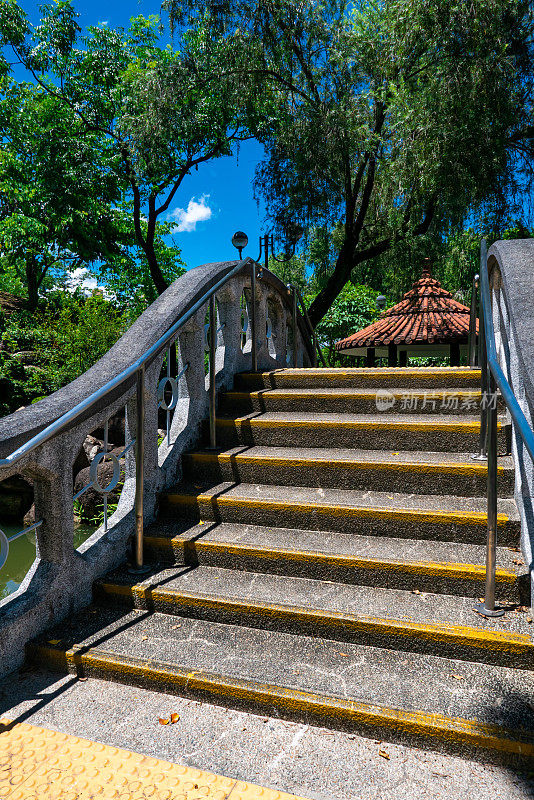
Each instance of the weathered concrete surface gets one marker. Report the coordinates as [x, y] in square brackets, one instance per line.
[341, 468]
[316, 763]
[402, 377]
[390, 562]
[328, 596]
[438, 517]
[353, 401]
[457, 433]
[455, 688]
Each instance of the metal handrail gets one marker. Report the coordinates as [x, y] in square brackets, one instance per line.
[311, 329]
[493, 377]
[137, 371]
[472, 346]
[65, 420]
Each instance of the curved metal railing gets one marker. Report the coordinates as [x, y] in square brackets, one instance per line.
[493, 378]
[136, 372]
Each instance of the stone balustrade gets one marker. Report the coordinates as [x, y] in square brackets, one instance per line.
[61, 578]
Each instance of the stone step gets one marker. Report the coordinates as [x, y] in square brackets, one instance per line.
[395, 432]
[353, 401]
[437, 517]
[438, 703]
[418, 472]
[441, 625]
[439, 567]
[379, 378]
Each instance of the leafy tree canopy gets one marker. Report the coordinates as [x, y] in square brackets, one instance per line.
[57, 190]
[391, 117]
[160, 112]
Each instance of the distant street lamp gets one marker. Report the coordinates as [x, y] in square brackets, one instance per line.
[240, 241]
[294, 233]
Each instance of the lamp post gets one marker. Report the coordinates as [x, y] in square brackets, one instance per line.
[240, 241]
[294, 233]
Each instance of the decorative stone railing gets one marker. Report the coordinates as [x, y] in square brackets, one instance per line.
[41, 442]
[511, 274]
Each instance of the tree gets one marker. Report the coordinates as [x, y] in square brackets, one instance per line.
[57, 191]
[161, 112]
[391, 116]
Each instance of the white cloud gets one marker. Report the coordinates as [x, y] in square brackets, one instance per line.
[197, 211]
[82, 278]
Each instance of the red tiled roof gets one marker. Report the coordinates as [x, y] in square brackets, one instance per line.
[427, 314]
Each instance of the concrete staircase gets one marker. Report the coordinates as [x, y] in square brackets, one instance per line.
[323, 566]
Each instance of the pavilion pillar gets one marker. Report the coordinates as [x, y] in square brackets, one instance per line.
[403, 358]
[455, 354]
[392, 355]
[371, 360]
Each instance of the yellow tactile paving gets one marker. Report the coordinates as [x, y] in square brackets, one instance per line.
[40, 764]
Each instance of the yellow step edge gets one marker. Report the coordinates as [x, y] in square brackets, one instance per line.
[346, 714]
[39, 763]
[444, 468]
[433, 425]
[475, 572]
[351, 512]
[496, 641]
[415, 372]
[351, 394]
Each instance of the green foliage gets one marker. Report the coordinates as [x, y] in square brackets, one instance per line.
[156, 113]
[44, 350]
[386, 119]
[354, 308]
[57, 191]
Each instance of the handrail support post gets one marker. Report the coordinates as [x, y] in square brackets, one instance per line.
[295, 323]
[253, 331]
[487, 608]
[139, 566]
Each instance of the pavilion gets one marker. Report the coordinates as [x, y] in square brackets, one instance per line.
[428, 321]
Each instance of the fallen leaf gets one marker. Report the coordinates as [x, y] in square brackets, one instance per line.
[529, 620]
[345, 655]
[144, 638]
[174, 718]
[175, 626]
[82, 679]
[163, 721]
[54, 641]
[518, 561]
[416, 591]
[384, 754]
[458, 677]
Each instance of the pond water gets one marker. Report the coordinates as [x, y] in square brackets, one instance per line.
[22, 555]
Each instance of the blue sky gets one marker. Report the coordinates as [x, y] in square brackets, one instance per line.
[218, 199]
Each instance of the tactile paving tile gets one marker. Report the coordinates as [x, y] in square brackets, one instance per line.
[40, 764]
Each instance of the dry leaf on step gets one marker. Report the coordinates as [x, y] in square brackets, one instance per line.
[174, 718]
[384, 754]
[163, 721]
